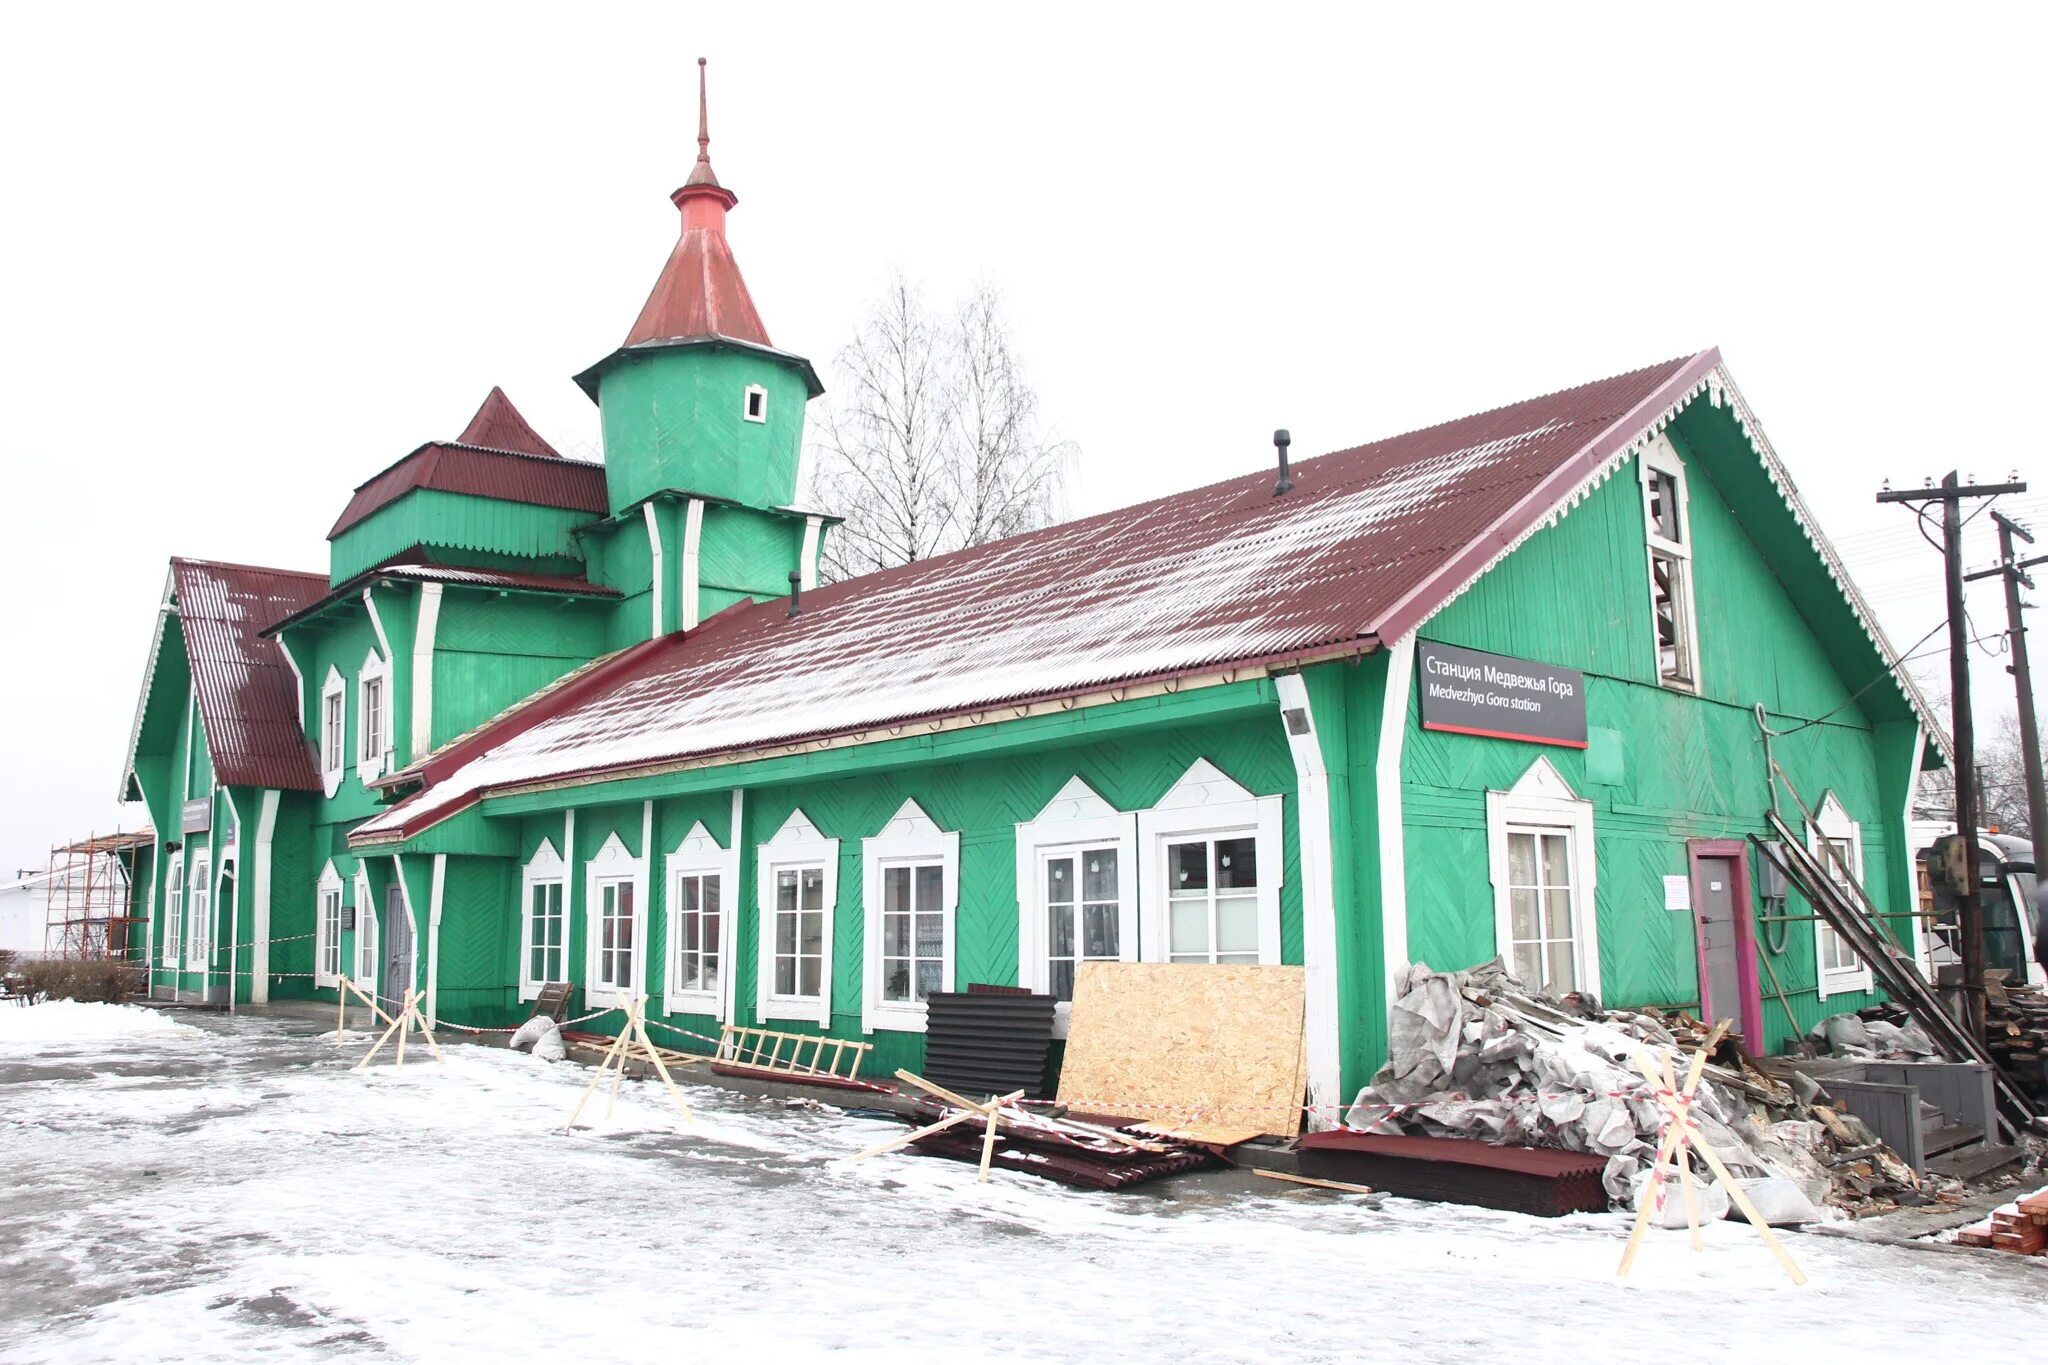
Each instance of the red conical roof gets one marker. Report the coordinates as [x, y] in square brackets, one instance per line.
[700, 292]
[498, 426]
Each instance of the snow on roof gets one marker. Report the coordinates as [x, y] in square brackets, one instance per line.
[1368, 543]
[248, 696]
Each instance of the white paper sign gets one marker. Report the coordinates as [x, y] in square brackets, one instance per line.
[1677, 893]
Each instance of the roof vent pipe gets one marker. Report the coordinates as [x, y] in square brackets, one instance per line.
[796, 591]
[1281, 440]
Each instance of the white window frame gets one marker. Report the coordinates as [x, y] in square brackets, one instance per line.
[1207, 804]
[369, 935]
[545, 868]
[199, 913]
[333, 730]
[1831, 821]
[1661, 457]
[910, 839]
[747, 403]
[613, 865]
[373, 743]
[173, 946]
[1075, 820]
[326, 932]
[1541, 801]
[797, 845]
[699, 855]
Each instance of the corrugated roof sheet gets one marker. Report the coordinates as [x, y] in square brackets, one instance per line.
[1369, 541]
[247, 693]
[494, 578]
[499, 426]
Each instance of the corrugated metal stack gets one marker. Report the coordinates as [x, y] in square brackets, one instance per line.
[988, 1041]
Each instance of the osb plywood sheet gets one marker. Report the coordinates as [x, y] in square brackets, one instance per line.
[1211, 1053]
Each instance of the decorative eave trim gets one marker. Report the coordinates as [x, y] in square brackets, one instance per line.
[156, 646]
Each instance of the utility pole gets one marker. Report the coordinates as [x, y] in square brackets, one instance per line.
[2013, 570]
[1962, 730]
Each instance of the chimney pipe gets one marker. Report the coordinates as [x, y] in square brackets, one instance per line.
[1281, 440]
[796, 590]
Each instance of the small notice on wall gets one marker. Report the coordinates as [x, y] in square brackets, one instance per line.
[1677, 893]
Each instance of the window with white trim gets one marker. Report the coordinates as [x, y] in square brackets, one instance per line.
[1210, 883]
[366, 934]
[754, 405]
[1077, 892]
[1669, 533]
[199, 914]
[798, 882]
[333, 730]
[1539, 839]
[327, 930]
[700, 922]
[910, 879]
[544, 924]
[1837, 843]
[373, 716]
[615, 901]
[174, 910]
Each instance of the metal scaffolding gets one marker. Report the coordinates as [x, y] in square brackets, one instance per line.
[89, 897]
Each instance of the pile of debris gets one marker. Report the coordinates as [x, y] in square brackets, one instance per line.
[1874, 1033]
[2021, 1227]
[1474, 1054]
[2016, 1025]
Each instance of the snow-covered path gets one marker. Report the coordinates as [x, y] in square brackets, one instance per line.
[228, 1189]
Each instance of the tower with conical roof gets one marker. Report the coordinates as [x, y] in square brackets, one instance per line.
[698, 399]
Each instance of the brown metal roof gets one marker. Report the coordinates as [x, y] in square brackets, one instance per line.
[499, 426]
[248, 695]
[1368, 544]
[418, 565]
[513, 476]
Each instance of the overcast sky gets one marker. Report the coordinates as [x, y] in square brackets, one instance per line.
[253, 255]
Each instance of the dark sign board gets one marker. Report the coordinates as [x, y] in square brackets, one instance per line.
[197, 816]
[1471, 692]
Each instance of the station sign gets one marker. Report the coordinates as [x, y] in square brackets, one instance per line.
[1470, 692]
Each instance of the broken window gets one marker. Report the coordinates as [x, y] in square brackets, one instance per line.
[1669, 535]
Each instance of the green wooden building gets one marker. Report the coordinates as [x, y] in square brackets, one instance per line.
[1508, 685]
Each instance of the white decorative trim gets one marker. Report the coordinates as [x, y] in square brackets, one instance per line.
[377, 742]
[397, 989]
[655, 565]
[259, 917]
[1831, 820]
[1393, 828]
[298, 681]
[1541, 799]
[544, 868]
[171, 944]
[797, 845]
[377, 624]
[329, 884]
[807, 559]
[732, 973]
[233, 859]
[1075, 818]
[333, 748]
[199, 916]
[368, 938]
[1318, 893]
[692, 571]
[164, 609]
[435, 900]
[426, 628]
[614, 863]
[910, 837]
[1206, 802]
[699, 855]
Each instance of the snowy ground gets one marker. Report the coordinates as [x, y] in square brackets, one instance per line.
[223, 1187]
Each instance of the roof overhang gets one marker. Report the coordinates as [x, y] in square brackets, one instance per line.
[130, 787]
[588, 380]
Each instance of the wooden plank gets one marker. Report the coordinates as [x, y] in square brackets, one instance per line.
[1312, 1180]
[1215, 1050]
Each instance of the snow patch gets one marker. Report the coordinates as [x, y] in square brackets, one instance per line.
[71, 1021]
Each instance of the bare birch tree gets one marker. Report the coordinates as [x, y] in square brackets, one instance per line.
[934, 442]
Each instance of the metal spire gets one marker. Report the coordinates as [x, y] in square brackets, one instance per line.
[703, 119]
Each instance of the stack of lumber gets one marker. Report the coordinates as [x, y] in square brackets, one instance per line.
[2016, 1028]
[2020, 1228]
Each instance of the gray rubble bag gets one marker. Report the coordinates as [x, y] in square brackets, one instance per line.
[1780, 1201]
[1709, 1196]
[543, 1036]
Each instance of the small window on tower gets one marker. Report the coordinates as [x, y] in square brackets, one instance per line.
[757, 403]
